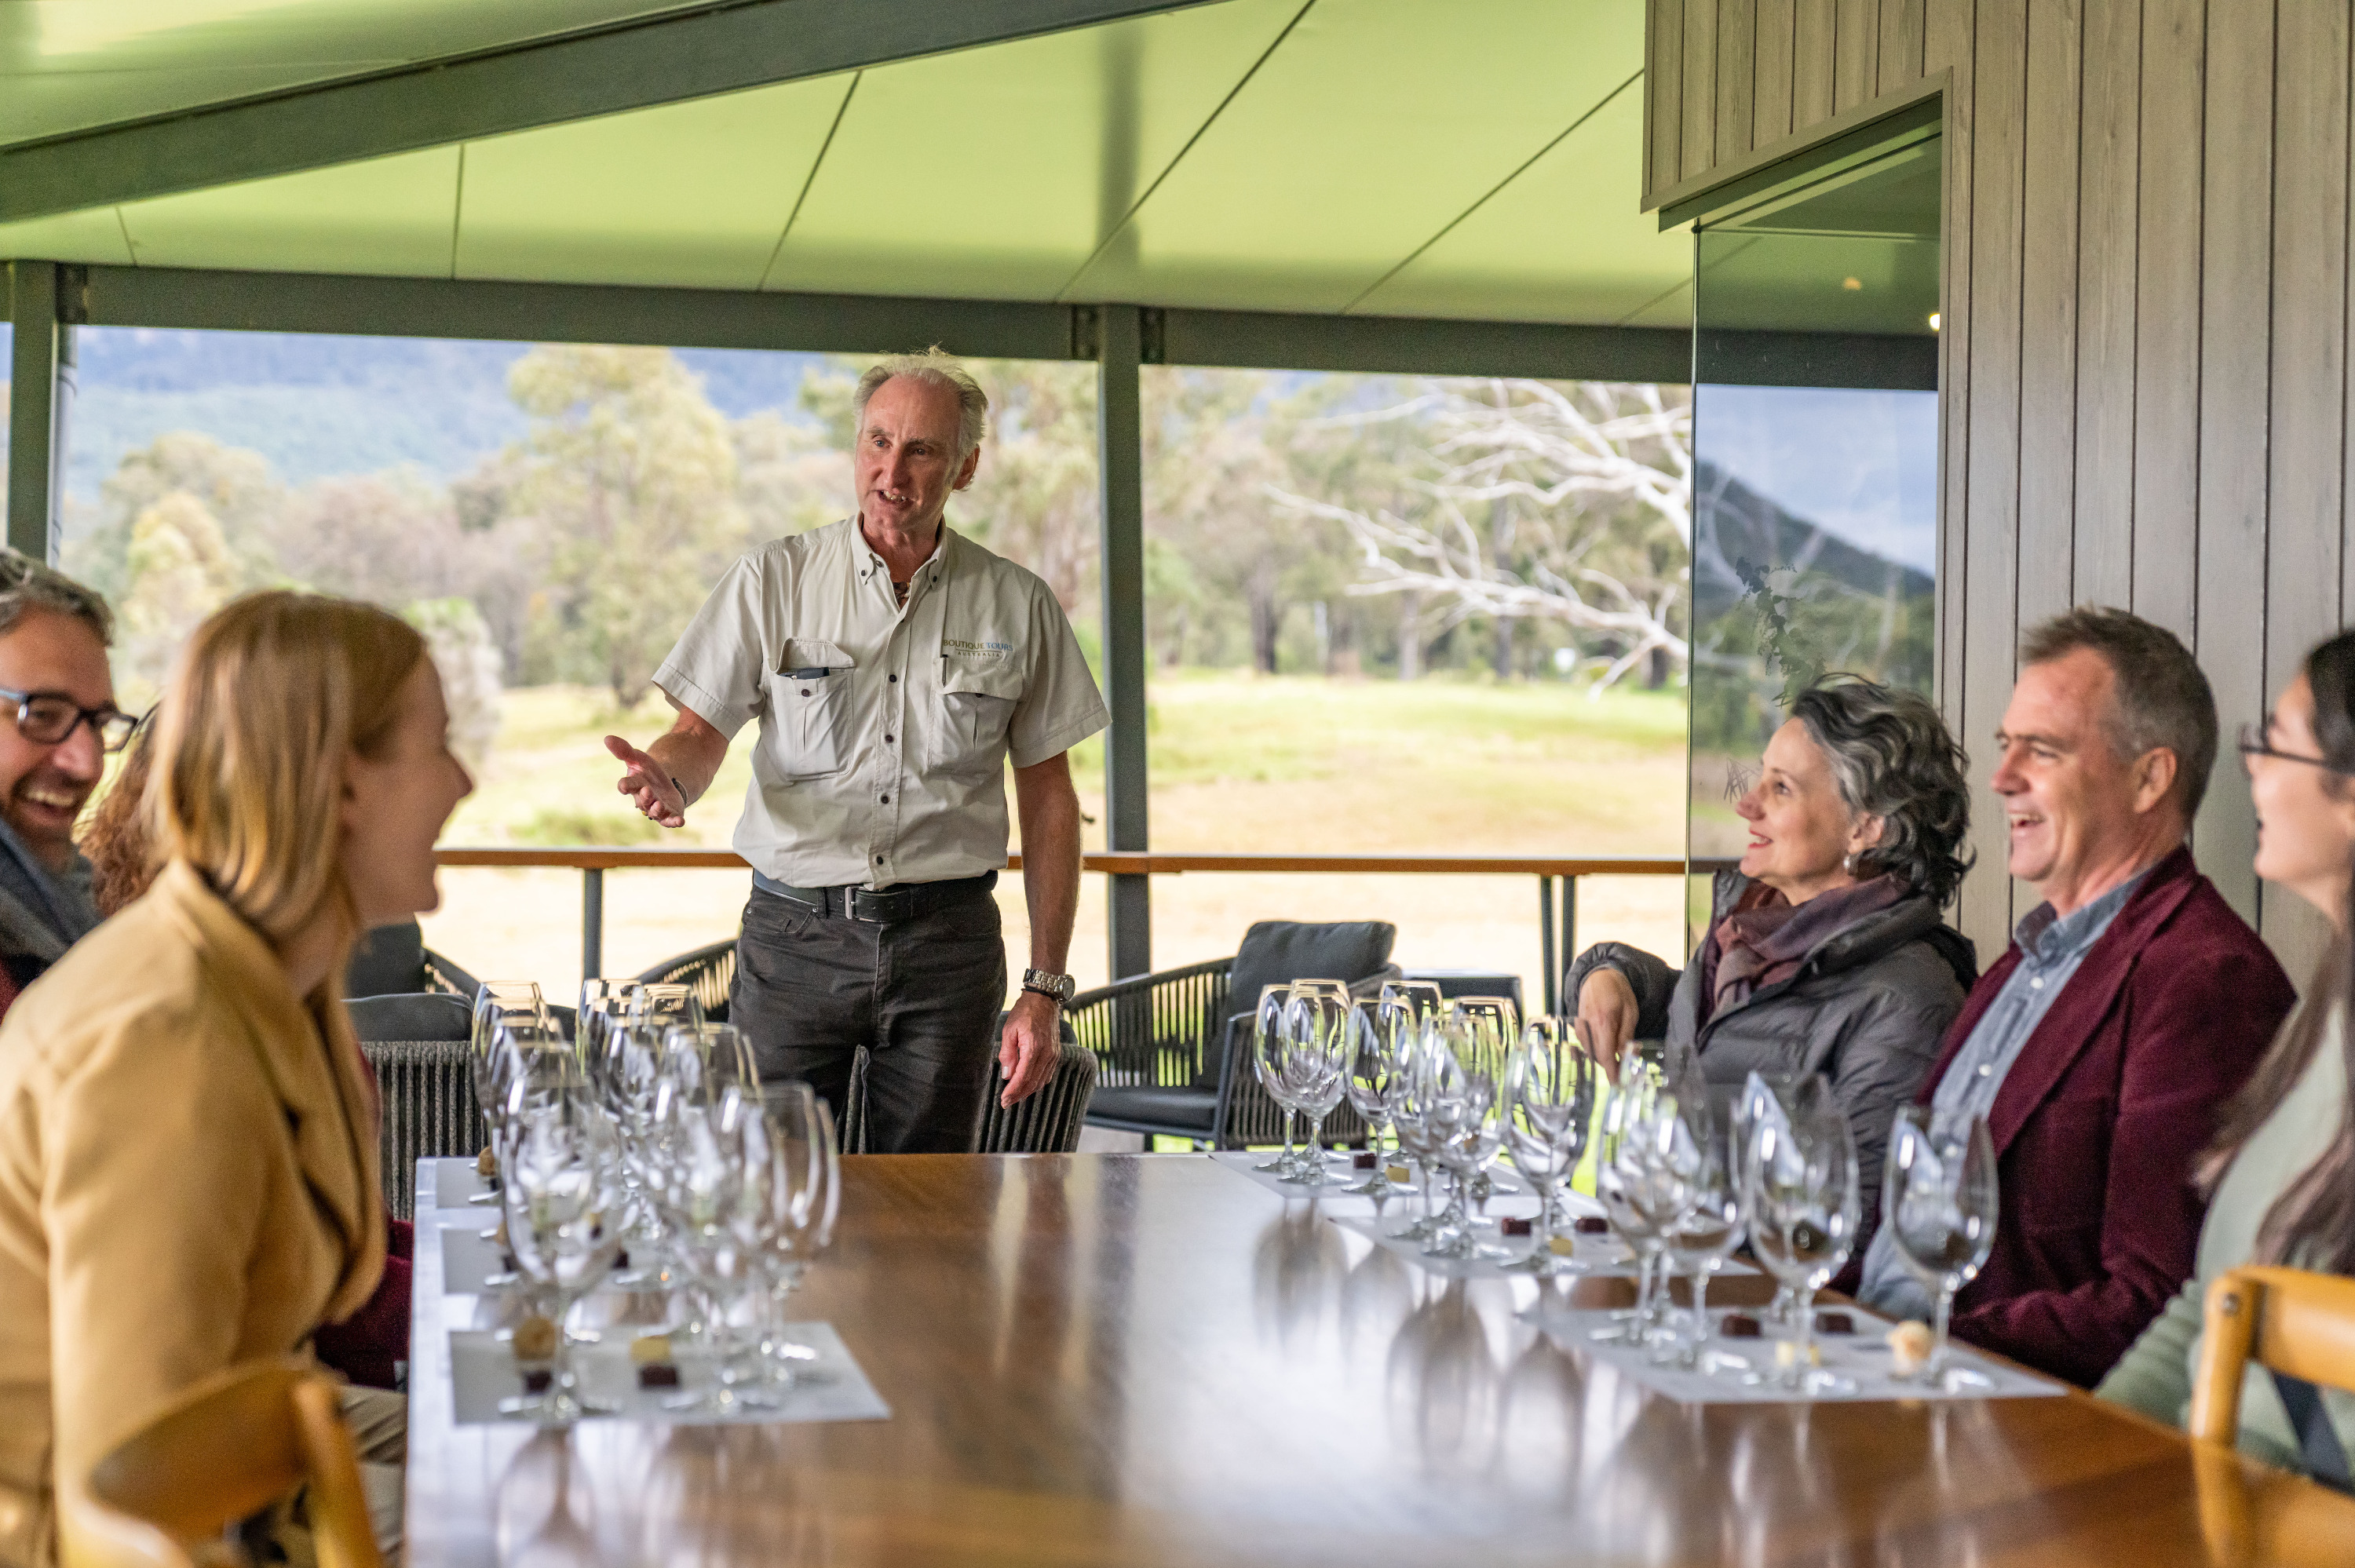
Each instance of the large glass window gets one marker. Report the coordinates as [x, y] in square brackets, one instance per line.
[1815, 461]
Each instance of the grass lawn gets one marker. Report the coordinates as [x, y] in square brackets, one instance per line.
[1240, 763]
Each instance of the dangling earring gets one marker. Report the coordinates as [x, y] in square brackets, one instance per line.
[1848, 862]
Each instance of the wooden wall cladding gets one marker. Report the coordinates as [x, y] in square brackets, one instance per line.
[2146, 311]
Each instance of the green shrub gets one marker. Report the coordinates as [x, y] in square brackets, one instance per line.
[564, 826]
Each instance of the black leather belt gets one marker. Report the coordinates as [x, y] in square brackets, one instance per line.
[878, 906]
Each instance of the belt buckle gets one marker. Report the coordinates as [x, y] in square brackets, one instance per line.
[882, 906]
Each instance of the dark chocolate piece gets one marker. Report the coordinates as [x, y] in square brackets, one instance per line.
[622, 1258]
[1739, 1326]
[538, 1380]
[1364, 1160]
[1593, 1225]
[1835, 1323]
[658, 1374]
[508, 1261]
[1513, 1226]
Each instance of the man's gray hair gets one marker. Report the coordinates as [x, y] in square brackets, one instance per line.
[27, 585]
[2159, 697]
[934, 368]
[1892, 757]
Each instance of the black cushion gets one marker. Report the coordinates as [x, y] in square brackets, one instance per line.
[1277, 952]
[414, 1015]
[388, 959]
[1184, 1112]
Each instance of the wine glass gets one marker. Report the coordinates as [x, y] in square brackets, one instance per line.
[1767, 1100]
[804, 1192]
[1377, 1031]
[1462, 1113]
[1701, 1242]
[1549, 1105]
[1802, 1220]
[1619, 1177]
[1268, 1024]
[1411, 1122]
[496, 1003]
[563, 1202]
[1938, 1200]
[1316, 1069]
[603, 1003]
[714, 1194]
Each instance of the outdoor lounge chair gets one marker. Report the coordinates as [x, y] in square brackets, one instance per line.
[1170, 1041]
[417, 1043]
[394, 960]
[710, 971]
[1047, 1123]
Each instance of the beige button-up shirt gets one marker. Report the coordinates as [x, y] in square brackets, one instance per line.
[884, 730]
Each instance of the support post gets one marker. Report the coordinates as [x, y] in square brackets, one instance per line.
[1120, 435]
[1552, 971]
[593, 922]
[1569, 935]
[40, 388]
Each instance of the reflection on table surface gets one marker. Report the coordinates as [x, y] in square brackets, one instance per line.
[1123, 1359]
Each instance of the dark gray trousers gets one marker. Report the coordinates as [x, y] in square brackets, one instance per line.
[922, 996]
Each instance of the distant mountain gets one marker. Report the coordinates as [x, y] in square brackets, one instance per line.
[317, 405]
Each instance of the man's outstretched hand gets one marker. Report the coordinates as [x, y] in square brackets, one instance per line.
[648, 784]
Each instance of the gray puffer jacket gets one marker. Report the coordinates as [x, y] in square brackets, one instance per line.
[1866, 1009]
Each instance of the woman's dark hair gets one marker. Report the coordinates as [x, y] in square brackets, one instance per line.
[1892, 757]
[116, 839]
[2312, 1223]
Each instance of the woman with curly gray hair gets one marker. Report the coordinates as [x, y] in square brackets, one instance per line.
[1825, 952]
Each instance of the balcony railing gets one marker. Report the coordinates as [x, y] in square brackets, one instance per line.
[593, 862]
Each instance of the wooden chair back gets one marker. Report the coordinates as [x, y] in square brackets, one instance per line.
[224, 1450]
[2284, 1319]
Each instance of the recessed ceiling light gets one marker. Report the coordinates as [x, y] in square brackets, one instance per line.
[1851, 282]
[1934, 320]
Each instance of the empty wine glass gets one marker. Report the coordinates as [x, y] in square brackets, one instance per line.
[563, 1202]
[1767, 1099]
[1699, 1244]
[714, 1194]
[1316, 1066]
[1802, 1220]
[804, 1193]
[1938, 1200]
[497, 1004]
[1549, 1105]
[1620, 1174]
[1462, 1113]
[1377, 1031]
[1268, 1024]
[1411, 1122]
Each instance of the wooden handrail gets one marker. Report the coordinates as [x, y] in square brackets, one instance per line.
[1140, 862]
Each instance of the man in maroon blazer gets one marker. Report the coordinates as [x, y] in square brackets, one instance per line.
[2132, 1003]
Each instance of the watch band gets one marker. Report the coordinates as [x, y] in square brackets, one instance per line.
[1047, 983]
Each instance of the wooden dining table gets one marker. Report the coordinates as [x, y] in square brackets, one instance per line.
[1132, 1360]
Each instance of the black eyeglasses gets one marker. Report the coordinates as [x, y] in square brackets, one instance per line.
[45, 718]
[2255, 744]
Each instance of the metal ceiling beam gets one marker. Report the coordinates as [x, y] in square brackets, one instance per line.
[862, 323]
[711, 48]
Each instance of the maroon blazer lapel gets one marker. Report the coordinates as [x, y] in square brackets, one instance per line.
[2077, 1013]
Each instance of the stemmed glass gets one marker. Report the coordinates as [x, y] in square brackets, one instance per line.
[1701, 1242]
[1768, 1100]
[603, 1004]
[1802, 1220]
[1461, 1117]
[1620, 1174]
[563, 1199]
[1378, 1030]
[1269, 1022]
[714, 1195]
[1496, 1028]
[497, 1004]
[1316, 1045]
[1938, 1200]
[803, 1192]
[1548, 1102]
[1410, 1120]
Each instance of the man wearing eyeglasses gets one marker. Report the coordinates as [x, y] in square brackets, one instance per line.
[57, 688]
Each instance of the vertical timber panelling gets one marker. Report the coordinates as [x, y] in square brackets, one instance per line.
[1991, 511]
[2236, 406]
[1814, 23]
[1700, 86]
[1900, 43]
[1737, 38]
[1948, 33]
[1770, 107]
[2308, 393]
[2108, 147]
[1856, 51]
[2169, 165]
[1664, 75]
[2048, 309]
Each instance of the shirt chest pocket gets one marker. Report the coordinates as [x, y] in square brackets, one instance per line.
[977, 699]
[810, 709]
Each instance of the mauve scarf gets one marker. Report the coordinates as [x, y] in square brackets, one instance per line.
[1767, 937]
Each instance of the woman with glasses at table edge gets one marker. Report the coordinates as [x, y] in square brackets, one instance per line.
[188, 1138]
[2280, 1176]
[1824, 951]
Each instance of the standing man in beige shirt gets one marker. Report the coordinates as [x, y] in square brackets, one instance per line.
[894, 668]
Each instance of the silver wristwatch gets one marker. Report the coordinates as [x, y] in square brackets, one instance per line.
[1048, 983]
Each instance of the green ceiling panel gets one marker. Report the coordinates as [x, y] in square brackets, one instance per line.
[1673, 308]
[1373, 126]
[69, 64]
[70, 237]
[386, 215]
[996, 173]
[1566, 240]
[692, 195]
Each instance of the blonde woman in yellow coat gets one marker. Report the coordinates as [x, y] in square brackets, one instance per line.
[189, 1168]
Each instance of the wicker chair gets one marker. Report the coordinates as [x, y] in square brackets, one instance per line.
[710, 971]
[1047, 1122]
[425, 1078]
[1170, 1042]
[393, 960]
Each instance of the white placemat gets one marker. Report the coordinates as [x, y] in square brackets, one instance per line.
[833, 1388]
[447, 1183]
[1862, 1357]
[1592, 1256]
[1246, 1163]
[466, 1258]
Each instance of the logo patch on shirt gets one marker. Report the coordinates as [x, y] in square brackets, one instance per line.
[976, 650]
